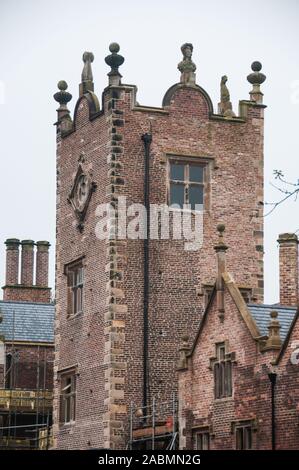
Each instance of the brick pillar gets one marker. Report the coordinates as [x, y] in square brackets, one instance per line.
[288, 269]
[42, 263]
[27, 262]
[12, 261]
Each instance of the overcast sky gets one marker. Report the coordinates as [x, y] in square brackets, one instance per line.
[43, 41]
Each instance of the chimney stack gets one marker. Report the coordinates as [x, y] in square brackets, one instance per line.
[24, 289]
[42, 263]
[27, 262]
[288, 269]
[12, 261]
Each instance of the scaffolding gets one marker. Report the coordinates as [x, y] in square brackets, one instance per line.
[154, 426]
[25, 413]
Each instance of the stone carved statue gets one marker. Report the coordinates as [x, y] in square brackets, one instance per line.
[225, 105]
[187, 66]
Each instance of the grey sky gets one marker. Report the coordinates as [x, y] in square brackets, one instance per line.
[43, 41]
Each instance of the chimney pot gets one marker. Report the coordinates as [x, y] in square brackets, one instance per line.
[42, 263]
[12, 261]
[27, 262]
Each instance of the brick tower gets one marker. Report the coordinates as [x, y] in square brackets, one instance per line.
[123, 304]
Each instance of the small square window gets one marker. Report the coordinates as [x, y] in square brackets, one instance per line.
[186, 184]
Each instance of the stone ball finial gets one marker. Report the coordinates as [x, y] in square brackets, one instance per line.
[62, 85]
[62, 96]
[273, 314]
[221, 228]
[185, 338]
[256, 77]
[256, 66]
[88, 57]
[114, 47]
[114, 60]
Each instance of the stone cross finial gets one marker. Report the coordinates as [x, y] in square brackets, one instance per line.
[114, 60]
[86, 76]
[256, 79]
[187, 66]
[63, 97]
[274, 340]
[225, 106]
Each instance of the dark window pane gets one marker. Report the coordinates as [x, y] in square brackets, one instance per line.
[195, 195]
[177, 194]
[176, 172]
[196, 173]
[248, 439]
[239, 439]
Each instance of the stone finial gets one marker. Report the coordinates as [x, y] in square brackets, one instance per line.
[187, 66]
[225, 106]
[86, 76]
[256, 78]
[183, 353]
[63, 97]
[221, 246]
[114, 60]
[220, 249]
[274, 340]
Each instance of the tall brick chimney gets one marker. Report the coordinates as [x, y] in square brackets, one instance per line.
[12, 261]
[24, 289]
[27, 262]
[288, 269]
[42, 263]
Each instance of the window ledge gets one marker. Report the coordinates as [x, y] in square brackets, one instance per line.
[224, 399]
[74, 316]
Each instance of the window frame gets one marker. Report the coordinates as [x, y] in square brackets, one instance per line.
[204, 434]
[187, 161]
[75, 287]
[243, 436]
[223, 372]
[67, 401]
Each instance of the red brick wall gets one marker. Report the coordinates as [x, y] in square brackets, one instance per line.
[27, 294]
[80, 340]
[115, 316]
[251, 386]
[287, 394]
[28, 359]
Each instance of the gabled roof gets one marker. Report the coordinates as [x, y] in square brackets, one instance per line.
[28, 322]
[256, 316]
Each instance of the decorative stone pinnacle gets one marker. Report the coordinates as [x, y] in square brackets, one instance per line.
[221, 246]
[114, 60]
[86, 76]
[63, 97]
[183, 353]
[274, 340]
[225, 106]
[256, 78]
[187, 66]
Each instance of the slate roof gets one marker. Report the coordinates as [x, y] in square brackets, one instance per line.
[32, 322]
[261, 315]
